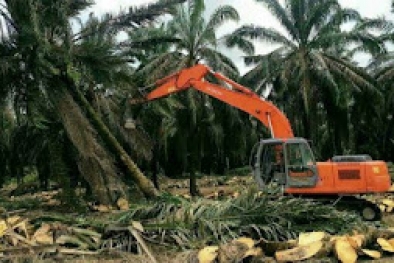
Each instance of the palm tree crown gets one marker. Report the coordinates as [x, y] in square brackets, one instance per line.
[309, 64]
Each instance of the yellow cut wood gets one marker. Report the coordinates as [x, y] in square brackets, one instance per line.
[186, 196]
[371, 253]
[123, 204]
[12, 240]
[103, 208]
[356, 241]
[253, 252]
[42, 235]
[391, 241]
[44, 239]
[388, 202]
[335, 238]
[208, 254]
[13, 220]
[385, 245]
[45, 228]
[21, 224]
[299, 253]
[344, 251]
[3, 227]
[311, 237]
[137, 225]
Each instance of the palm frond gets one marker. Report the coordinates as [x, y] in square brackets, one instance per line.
[351, 72]
[137, 16]
[263, 34]
[282, 15]
[221, 15]
[163, 65]
[334, 22]
[323, 73]
[134, 18]
[196, 9]
[232, 40]
[318, 16]
[250, 214]
[77, 6]
[380, 24]
[268, 68]
[220, 62]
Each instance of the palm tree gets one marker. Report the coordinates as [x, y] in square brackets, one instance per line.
[383, 69]
[196, 41]
[308, 68]
[40, 52]
[7, 126]
[37, 68]
[193, 123]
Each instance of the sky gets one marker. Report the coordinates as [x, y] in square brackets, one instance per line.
[255, 13]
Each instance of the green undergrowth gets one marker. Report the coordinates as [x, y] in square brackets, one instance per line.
[191, 223]
[28, 203]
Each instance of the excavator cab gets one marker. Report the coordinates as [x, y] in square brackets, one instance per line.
[289, 163]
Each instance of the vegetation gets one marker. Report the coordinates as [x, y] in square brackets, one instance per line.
[191, 224]
[66, 84]
[311, 67]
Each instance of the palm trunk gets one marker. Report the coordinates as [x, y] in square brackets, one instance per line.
[193, 183]
[144, 184]
[306, 92]
[155, 166]
[195, 158]
[94, 163]
[195, 164]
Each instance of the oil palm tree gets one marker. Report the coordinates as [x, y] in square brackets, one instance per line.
[308, 68]
[40, 52]
[383, 69]
[193, 125]
[196, 40]
[39, 44]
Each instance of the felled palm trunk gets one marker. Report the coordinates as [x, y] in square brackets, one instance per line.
[144, 184]
[94, 162]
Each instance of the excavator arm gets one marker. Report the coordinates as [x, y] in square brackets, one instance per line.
[237, 96]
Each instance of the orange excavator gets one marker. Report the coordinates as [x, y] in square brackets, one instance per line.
[285, 159]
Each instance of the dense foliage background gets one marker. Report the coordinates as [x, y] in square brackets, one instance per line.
[65, 86]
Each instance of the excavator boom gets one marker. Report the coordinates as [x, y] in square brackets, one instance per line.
[236, 95]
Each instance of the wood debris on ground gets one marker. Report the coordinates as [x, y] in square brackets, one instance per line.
[375, 244]
[19, 235]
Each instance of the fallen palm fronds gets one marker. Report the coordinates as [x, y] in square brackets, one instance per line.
[253, 227]
[188, 223]
[19, 237]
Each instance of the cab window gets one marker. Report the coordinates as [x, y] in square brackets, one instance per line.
[299, 154]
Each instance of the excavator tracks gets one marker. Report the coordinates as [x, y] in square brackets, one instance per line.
[366, 208]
